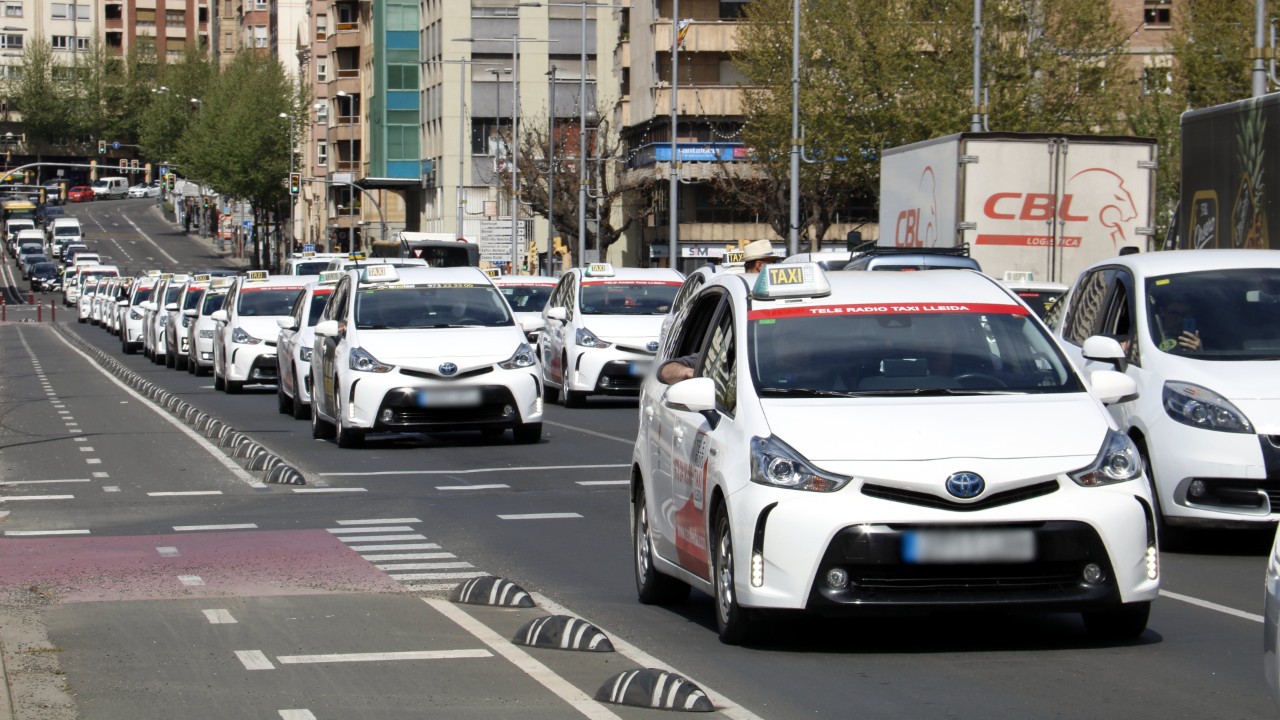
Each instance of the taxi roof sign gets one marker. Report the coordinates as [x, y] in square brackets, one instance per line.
[379, 274]
[794, 280]
[356, 256]
[493, 272]
[328, 277]
[222, 282]
[256, 275]
[734, 256]
[599, 270]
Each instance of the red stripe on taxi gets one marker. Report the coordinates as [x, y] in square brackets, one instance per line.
[887, 309]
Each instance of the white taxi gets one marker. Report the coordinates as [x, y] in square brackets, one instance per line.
[157, 316]
[201, 326]
[309, 263]
[421, 350]
[527, 295]
[1202, 333]
[600, 330]
[176, 341]
[295, 345]
[91, 276]
[132, 313]
[875, 442]
[245, 330]
[85, 299]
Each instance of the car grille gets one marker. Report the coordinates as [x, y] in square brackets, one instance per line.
[1006, 497]
[446, 378]
[402, 403]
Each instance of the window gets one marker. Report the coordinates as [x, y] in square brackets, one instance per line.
[1156, 13]
[260, 4]
[145, 18]
[260, 36]
[322, 26]
[60, 42]
[13, 9]
[322, 153]
[175, 17]
[322, 69]
[11, 42]
[720, 363]
[322, 112]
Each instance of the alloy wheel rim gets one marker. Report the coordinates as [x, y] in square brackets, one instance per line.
[725, 574]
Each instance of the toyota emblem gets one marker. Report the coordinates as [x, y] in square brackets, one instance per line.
[450, 368]
[652, 347]
[966, 485]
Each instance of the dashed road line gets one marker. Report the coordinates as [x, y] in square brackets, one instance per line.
[219, 617]
[386, 521]
[409, 556]
[424, 566]
[297, 714]
[1211, 606]
[411, 546]
[387, 538]
[382, 529]
[184, 493]
[37, 533]
[303, 491]
[472, 487]
[541, 516]
[10, 498]
[191, 580]
[584, 431]
[254, 660]
[43, 482]
[603, 482]
[197, 528]
[383, 656]
[167, 551]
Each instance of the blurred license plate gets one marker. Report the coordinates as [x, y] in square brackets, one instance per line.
[968, 546]
[638, 368]
[452, 397]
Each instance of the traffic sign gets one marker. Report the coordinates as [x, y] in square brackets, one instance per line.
[309, 247]
[115, 145]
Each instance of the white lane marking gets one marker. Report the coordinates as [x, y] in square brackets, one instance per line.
[409, 556]
[43, 482]
[254, 660]
[379, 657]
[237, 471]
[387, 521]
[388, 538]
[129, 220]
[110, 488]
[563, 689]
[584, 431]
[190, 528]
[540, 516]
[36, 497]
[327, 490]
[440, 576]
[32, 533]
[191, 580]
[71, 424]
[296, 714]
[101, 475]
[4, 514]
[86, 449]
[410, 546]
[472, 471]
[385, 528]
[723, 704]
[77, 430]
[167, 551]
[430, 587]
[81, 440]
[471, 487]
[184, 493]
[1211, 606]
[93, 461]
[604, 482]
[425, 566]
[219, 617]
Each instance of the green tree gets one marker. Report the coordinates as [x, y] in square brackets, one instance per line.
[38, 96]
[1211, 43]
[168, 103]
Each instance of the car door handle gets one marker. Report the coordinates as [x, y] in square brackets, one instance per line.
[679, 434]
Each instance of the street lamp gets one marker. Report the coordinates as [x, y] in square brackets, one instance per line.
[292, 199]
[673, 181]
[515, 135]
[462, 131]
[544, 259]
[351, 193]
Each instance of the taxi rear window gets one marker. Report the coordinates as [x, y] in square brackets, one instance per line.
[628, 297]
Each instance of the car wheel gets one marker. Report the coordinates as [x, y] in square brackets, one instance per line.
[171, 360]
[1166, 537]
[321, 429]
[528, 433]
[652, 587]
[284, 405]
[550, 395]
[574, 399]
[233, 387]
[301, 410]
[1123, 622]
[218, 383]
[346, 437]
[732, 620]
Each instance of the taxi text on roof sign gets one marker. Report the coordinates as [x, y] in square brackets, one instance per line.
[735, 256]
[791, 281]
[202, 278]
[356, 256]
[256, 275]
[599, 270]
[331, 276]
[223, 282]
[379, 274]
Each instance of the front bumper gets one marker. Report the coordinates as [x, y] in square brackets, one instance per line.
[252, 363]
[607, 371]
[1238, 474]
[392, 402]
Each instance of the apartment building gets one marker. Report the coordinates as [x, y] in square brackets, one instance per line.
[162, 28]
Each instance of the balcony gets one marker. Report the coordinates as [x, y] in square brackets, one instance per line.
[347, 81]
[345, 130]
[622, 54]
[347, 39]
[703, 36]
[701, 100]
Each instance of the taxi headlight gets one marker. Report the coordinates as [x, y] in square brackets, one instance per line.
[586, 338]
[1203, 408]
[239, 336]
[135, 315]
[304, 354]
[186, 321]
[522, 358]
[362, 361]
[1118, 461]
[207, 333]
[773, 462]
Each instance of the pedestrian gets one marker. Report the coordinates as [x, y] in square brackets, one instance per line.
[757, 254]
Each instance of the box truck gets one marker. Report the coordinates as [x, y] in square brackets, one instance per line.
[1028, 205]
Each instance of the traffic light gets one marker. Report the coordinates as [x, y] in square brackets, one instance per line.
[295, 183]
[133, 163]
[102, 147]
[170, 180]
[124, 164]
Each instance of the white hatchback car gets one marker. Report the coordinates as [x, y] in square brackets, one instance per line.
[527, 295]
[201, 326]
[600, 330]
[176, 340]
[421, 350]
[245, 330]
[861, 442]
[132, 314]
[296, 343]
[1202, 333]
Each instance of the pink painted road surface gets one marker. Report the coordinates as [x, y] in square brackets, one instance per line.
[230, 564]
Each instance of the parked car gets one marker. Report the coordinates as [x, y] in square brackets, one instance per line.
[143, 190]
[80, 193]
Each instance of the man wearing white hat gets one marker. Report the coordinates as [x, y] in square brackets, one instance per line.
[757, 254]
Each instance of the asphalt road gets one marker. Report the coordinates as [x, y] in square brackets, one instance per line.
[169, 574]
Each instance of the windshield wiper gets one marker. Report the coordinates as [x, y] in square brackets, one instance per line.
[805, 392]
[934, 392]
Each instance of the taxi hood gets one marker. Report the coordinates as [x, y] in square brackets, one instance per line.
[263, 327]
[615, 328]
[994, 427]
[466, 347]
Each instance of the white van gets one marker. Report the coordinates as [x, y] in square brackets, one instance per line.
[110, 187]
[63, 232]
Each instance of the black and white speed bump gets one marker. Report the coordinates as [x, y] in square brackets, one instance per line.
[656, 689]
[490, 590]
[563, 632]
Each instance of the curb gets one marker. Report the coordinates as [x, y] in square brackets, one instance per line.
[242, 449]
[6, 699]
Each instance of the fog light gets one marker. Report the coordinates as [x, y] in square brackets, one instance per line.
[1196, 489]
[537, 404]
[386, 416]
[508, 410]
[605, 382]
[757, 570]
[1093, 573]
[837, 578]
[1153, 563]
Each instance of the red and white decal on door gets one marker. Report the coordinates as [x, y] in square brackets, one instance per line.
[690, 487]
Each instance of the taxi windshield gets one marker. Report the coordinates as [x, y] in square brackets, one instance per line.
[267, 301]
[527, 298]
[310, 267]
[1235, 314]
[171, 294]
[212, 303]
[143, 295]
[1040, 300]
[628, 297]
[318, 301]
[904, 350]
[192, 300]
[430, 306]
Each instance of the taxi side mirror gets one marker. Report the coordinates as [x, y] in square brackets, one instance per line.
[1105, 349]
[122, 303]
[220, 316]
[1112, 387]
[288, 322]
[171, 307]
[191, 312]
[696, 394]
[557, 313]
[531, 324]
[327, 328]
